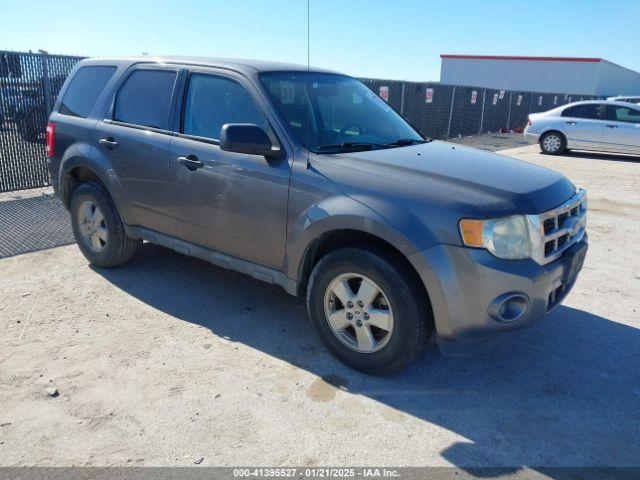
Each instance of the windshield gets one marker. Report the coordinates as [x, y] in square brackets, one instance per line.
[333, 113]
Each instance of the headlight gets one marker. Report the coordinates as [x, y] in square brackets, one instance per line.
[504, 237]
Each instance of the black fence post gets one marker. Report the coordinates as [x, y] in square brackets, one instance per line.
[46, 82]
[509, 116]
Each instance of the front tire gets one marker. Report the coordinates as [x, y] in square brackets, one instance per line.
[553, 143]
[98, 228]
[367, 310]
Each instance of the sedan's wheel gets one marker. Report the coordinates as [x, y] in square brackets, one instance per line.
[553, 143]
[358, 312]
[98, 228]
[369, 309]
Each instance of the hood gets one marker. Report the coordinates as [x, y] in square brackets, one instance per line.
[472, 182]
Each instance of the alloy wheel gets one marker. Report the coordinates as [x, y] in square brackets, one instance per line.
[552, 143]
[92, 226]
[358, 312]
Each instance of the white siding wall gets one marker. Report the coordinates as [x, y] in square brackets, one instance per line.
[584, 78]
[617, 80]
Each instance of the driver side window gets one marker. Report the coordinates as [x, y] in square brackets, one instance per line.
[623, 114]
[212, 101]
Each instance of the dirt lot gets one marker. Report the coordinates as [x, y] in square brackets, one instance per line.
[493, 141]
[170, 360]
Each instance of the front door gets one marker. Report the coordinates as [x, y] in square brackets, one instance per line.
[584, 125]
[622, 129]
[230, 202]
[136, 139]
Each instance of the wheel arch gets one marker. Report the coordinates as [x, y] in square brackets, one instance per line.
[333, 240]
[553, 130]
[335, 222]
[83, 163]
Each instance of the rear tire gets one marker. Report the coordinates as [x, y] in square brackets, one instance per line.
[98, 228]
[553, 143]
[377, 336]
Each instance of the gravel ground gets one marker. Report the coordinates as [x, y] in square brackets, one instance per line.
[32, 220]
[169, 360]
[492, 141]
[25, 194]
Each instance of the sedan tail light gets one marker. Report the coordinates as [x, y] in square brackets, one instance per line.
[50, 138]
[529, 121]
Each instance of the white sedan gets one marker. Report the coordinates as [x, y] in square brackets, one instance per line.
[603, 126]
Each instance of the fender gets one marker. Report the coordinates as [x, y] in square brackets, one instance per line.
[338, 212]
[87, 156]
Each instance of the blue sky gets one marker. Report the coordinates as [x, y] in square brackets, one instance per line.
[399, 39]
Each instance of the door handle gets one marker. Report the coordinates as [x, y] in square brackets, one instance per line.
[191, 162]
[571, 123]
[612, 126]
[109, 142]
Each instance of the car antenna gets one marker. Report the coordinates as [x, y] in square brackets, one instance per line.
[308, 72]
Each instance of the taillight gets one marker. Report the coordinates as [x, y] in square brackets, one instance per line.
[50, 138]
[529, 121]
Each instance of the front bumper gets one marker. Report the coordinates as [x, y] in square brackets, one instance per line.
[464, 283]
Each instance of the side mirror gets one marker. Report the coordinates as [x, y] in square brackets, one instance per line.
[247, 138]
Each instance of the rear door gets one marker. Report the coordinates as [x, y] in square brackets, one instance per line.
[230, 202]
[622, 129]
[584, 125]
[135, 136]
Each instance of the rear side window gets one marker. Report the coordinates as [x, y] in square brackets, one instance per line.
[589, 110]
[144, 98]
[213, 101]
[83, 91]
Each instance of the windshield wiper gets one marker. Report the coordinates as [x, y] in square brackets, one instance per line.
[352, 146]
[403, 142]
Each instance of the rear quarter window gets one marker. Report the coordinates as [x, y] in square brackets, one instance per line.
[83, 91]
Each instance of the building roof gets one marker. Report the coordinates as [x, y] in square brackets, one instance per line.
[538, 59]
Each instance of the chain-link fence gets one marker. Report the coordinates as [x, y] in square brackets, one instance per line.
[451, 111]
[29, 85]
[30, 82]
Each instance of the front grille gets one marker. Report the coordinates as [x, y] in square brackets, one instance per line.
[549, 247]
[562, 227]
[561, 241]
[549, 225]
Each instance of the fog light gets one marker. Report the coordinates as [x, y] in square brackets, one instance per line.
[509, 307]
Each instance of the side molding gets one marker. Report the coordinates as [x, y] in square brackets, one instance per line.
[219, 259]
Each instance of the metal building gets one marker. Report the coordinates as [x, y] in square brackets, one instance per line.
[583, 76]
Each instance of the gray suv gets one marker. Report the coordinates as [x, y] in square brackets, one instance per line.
[306, 179]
